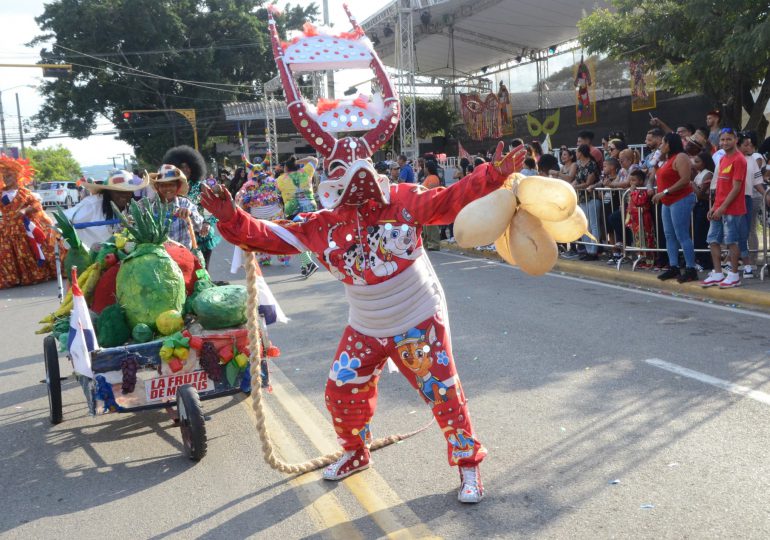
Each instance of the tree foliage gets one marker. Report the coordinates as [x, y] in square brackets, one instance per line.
[435, 116]
[52, 164]
[721, 49]
[136, 54]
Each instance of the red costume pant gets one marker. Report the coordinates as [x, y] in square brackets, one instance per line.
[424, 356]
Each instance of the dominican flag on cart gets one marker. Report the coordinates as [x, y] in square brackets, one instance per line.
[35, 240]
[268, 305]
[82, 337]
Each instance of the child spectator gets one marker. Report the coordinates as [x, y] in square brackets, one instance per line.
[639, 217]
[704, 170]
[530, 167]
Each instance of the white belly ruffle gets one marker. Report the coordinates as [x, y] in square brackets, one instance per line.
[394, 306]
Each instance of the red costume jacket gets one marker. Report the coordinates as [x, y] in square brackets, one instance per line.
[365, 244]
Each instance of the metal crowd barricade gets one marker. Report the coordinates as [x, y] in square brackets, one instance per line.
[601, 203]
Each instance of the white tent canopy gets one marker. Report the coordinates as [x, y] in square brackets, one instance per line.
[463, 36]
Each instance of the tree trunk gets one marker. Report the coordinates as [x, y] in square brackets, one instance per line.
[757, 118]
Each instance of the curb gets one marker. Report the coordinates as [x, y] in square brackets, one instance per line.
[739, 297]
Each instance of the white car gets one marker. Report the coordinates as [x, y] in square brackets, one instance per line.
[64, 194]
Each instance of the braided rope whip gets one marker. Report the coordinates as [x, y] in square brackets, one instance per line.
[268, 450]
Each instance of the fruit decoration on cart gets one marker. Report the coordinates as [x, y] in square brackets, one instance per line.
[160, 321]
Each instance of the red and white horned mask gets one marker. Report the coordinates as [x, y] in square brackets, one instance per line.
[351, 175]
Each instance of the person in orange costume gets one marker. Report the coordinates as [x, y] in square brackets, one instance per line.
[26, 239]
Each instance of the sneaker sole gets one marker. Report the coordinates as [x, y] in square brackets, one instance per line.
[707, 285]
[730, 286]
[459, 498]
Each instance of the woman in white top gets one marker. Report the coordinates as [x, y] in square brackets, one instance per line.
[703, 166]
[97, 210]
[755, 191]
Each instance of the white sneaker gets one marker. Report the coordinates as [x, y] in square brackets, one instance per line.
[714, 278]
[748, 272]
[471, 488]
[733, 279]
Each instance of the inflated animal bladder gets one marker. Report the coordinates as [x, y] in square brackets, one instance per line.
[570, 229]
[546, 198]
[530, 245]
[484, 220]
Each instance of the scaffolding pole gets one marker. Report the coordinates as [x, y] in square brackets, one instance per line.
[405, 63]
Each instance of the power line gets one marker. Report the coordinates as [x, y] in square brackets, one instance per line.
[202, 84]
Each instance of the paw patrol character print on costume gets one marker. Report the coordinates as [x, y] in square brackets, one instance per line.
[369, 237]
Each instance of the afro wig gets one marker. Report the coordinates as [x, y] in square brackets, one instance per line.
[186, 154]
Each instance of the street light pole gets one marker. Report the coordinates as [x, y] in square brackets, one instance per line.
[21, 131]
[2, 125]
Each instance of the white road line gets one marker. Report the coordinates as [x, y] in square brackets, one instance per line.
[593, 281]
[713, 381]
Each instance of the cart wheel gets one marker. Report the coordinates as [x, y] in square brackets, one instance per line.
[52, 379]
[191, 422]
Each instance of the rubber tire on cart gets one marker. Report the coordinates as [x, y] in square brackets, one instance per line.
[52, 379]
[191, 422]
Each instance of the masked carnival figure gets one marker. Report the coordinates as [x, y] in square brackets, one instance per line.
[259, 197]
[368, 237]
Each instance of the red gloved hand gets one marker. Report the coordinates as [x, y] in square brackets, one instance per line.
[219, 202]
[511, 163]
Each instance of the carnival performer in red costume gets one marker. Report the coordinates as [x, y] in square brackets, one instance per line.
[26, 239]
[369, 238]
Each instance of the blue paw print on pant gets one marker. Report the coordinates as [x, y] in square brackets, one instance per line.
[442, 358]
[344, 369]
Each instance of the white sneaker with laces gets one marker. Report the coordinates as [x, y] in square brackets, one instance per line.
[733, 279]
[471, 488]
[714, 278]
[748, 272]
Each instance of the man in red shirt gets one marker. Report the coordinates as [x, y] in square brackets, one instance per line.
[726, 212]
[587, 137]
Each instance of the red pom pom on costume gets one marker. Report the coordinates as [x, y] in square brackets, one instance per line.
[325, 105]
[273, 351]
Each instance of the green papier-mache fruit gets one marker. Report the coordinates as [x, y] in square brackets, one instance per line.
[141, 333]
[221, 307]
[112, 329]
[149, 282]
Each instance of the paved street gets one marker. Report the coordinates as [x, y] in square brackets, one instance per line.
[608, 413]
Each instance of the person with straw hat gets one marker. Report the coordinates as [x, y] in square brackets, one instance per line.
[95, 215]
[171, 185]
[26, 242]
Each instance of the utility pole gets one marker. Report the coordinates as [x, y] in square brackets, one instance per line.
[2, 125]
[21, 131]
[125, 163]
[113, 158]
[329, 73]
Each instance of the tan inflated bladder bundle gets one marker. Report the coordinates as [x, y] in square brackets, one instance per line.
[524, 219]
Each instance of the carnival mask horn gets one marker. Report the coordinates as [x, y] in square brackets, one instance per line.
[352, 178]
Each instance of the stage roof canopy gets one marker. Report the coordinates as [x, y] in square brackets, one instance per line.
[481, 32]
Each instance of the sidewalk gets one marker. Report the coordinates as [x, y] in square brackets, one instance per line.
[752, 294]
